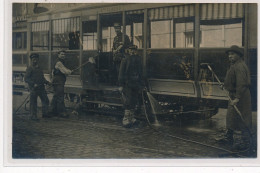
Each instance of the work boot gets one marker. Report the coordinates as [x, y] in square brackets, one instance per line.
[228, 138]
[132, 116]
[126, 119]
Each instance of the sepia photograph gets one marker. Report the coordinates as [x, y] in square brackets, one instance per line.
[106, 81]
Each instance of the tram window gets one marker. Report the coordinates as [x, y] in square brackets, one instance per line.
[161, 34]
[19, 40]
[184, 35]
[171, 34]
[108, 34]
[40, 35]
[134, 27]
[89, 35]
[222, 28]
[222, 35]
[65, 34]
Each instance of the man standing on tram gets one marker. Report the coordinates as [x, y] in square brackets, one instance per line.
[119, 46]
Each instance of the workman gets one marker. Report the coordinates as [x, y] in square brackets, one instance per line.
[36, 82]
[59, 78]
[130, 83]
[119, 46]
[237, 83]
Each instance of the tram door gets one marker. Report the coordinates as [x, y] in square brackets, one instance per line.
[89, 53]
[107, 68]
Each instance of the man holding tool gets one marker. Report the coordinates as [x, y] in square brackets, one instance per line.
[239, 113]
[59, 78]
[120, 43]
[36, 81]
[130, 83]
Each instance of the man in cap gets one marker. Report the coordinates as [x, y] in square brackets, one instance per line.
[237, 83]
[36, 81]
[59, 78]
[120, 43]
[130, 82]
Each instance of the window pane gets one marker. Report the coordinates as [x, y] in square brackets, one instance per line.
[65, 34]
[138, 34]
[184, 35]
[20, 59]
[40, 40]
[161, 34]
[40, 35]
[108, 34]
[17, 59]
[221, 35]
[171, 65]
[19, 40]
[89, 35]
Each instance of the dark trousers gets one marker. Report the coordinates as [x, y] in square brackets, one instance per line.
[57, 103]
[132, 97]
[34, 93]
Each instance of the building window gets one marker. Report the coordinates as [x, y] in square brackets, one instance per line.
[89, 35]
[20, 59]
[65, 34]
[40, 35]
[19, 40]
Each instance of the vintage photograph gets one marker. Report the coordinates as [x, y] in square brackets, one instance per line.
[134, 80]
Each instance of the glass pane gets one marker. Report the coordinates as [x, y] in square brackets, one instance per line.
[89, 35]
[108, 34]
[171, 65]
[40, 35]
[184, 35]
[19, 40]
[65, 34]
[221, 35]
[20, 59]
[161, 34]
[40, 40]
[17, 59]
[138, 34]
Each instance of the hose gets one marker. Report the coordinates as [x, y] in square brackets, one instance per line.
[186, 140]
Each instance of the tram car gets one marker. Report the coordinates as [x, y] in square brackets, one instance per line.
[173, 39]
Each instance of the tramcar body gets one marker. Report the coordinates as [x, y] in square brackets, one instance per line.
[172, 39]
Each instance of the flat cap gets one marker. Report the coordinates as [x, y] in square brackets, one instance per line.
[34, 55]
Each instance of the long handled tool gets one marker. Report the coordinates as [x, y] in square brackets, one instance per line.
[227, 93]
[79, 66]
